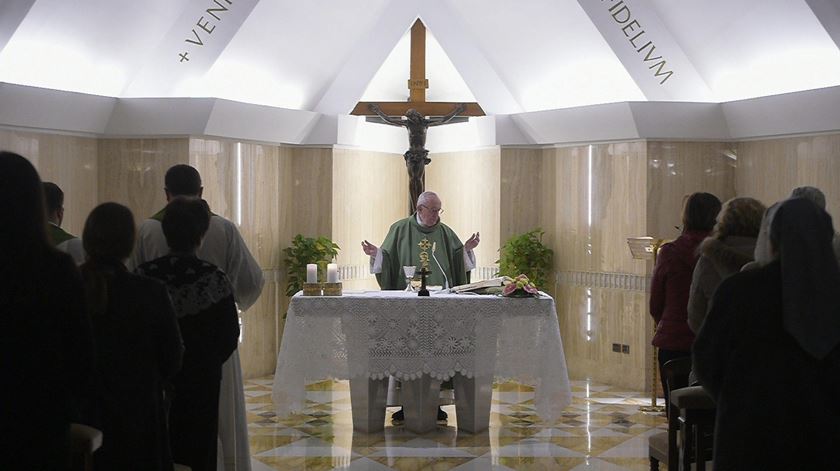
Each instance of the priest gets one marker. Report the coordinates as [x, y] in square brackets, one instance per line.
[423, 241]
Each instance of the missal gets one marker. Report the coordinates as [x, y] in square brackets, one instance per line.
[483, 286]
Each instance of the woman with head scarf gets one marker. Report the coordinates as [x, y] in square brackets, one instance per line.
[768, 351]
[46, 348]
[138, 346]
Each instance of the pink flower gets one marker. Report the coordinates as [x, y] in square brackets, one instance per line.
[531, 288]
[509, 289]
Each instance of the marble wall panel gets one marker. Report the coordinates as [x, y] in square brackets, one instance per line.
[588, 341]
[468, 184]
[369, 194]
[215, 160]
[311, 170]
[769, 169]
[68, 161]
[131, 171]
[260, 334]
[677, 169]
[521, 191]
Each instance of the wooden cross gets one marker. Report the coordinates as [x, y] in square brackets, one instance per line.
[417, 85]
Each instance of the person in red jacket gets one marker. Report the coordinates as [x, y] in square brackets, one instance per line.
[671, 282]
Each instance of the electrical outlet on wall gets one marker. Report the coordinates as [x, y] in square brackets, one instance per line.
[625, 349]
[617, 347]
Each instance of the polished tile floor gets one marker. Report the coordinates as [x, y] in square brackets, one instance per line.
[601, 430]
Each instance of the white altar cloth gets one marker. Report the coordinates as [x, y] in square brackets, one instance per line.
[380, 333]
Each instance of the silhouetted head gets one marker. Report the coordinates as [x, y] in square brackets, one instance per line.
[185, 222]
[23, 230]
[109, 233]
[182, 180]
[811, 193]
[739, 217]
[700, 212]
[54, 201]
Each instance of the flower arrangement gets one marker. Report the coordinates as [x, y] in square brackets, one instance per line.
[520, 287]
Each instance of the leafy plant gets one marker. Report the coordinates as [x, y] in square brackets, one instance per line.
[304, 250]
[526, 254]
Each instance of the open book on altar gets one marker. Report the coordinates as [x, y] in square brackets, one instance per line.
[480, 286]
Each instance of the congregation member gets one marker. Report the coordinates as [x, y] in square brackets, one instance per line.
[46, 344]
[203, 300]
[768, 351]
[730, 247]
[671, 280]
[417, 241]
[138, 346]
[61, 239]
[818, 197]
[223, 247]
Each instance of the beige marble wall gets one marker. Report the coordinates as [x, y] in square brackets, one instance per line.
[598, 199]
[468, 184]
[369, 194]
[677, 169]
[68, 161]
[522, 191]
[769, 169]
[131, 171]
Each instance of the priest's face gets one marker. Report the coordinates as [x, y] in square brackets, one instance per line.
[429, 212]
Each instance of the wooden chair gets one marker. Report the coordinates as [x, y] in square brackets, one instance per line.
[697, 423]
[663, 446]
[84, 441]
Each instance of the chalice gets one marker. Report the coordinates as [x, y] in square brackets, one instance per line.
[409, 275]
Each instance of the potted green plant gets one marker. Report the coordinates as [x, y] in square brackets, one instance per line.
[525, 254]
[304, 250]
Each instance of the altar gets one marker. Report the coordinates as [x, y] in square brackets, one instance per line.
[475, 340]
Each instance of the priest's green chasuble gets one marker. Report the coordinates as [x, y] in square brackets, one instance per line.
[409, 243]
[58, 235]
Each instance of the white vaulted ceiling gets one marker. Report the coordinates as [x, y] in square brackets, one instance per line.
[546, 72]
[512, 57]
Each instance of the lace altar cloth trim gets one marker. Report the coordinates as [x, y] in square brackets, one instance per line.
[380, 334]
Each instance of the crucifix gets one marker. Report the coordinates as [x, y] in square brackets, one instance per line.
[415, 112]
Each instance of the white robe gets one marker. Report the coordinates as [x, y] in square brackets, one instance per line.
[223, 246]
[74, 248]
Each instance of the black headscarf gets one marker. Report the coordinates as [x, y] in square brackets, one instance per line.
[801, 234]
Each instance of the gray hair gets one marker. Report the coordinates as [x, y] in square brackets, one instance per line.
[810, 193]
[424, 198]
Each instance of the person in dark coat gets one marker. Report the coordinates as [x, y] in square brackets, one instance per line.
[206, 311]
[671, 279]
[769, 351]
[46, 344]
[138, 346]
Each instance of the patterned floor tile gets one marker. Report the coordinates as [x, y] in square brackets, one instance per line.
[601, 430]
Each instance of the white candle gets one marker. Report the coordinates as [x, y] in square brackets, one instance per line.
[311, 273]
[332, 273]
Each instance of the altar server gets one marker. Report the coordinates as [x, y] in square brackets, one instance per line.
[222, 246]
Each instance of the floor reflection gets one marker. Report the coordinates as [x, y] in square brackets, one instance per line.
[601, 430]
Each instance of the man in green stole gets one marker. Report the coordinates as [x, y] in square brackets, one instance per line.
[421, 240]
[61, 239]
